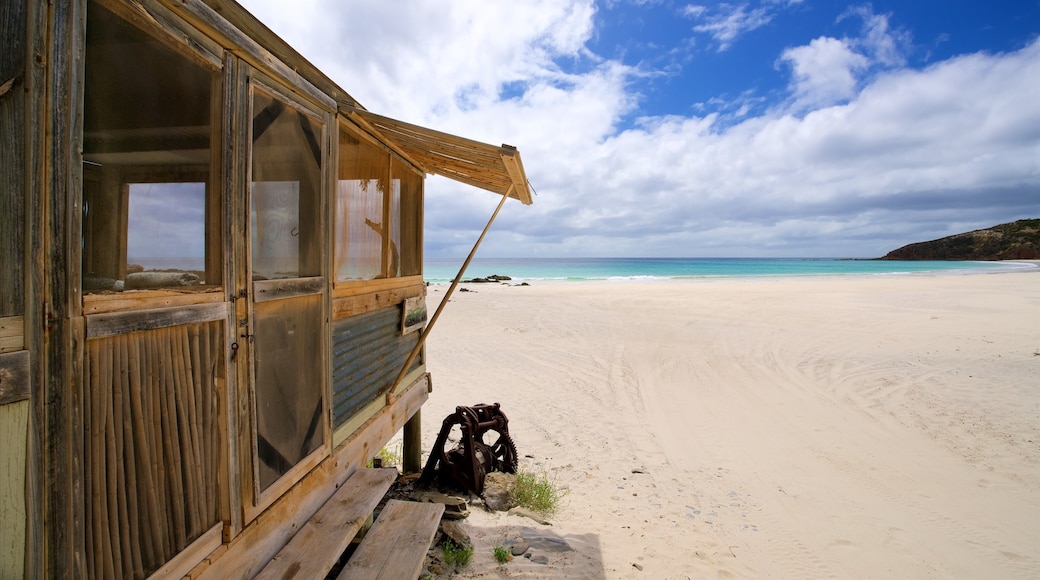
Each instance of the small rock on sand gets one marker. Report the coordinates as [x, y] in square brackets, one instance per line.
[454, 532]
[517, 546]
[498, 489]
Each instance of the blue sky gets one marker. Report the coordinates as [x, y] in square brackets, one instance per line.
[661, 128]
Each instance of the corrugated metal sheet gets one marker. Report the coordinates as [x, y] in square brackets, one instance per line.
[367, 353]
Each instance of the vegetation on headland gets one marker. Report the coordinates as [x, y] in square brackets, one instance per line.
[1018, 240]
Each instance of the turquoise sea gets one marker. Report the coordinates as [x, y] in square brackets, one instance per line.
[619, 269]
[443, 271]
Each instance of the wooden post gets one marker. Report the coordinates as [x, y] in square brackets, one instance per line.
[412, 450]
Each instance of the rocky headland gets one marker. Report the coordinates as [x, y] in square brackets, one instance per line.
[1019, 240]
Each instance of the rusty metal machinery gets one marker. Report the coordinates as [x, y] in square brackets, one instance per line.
[484, 446]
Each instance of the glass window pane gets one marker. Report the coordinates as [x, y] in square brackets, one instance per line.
[395, 228]
[286, 191]
[166, 235]
[408, 187]
[360, 191]
[147, 150]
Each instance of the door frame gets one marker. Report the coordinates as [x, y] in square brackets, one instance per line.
[248, 293]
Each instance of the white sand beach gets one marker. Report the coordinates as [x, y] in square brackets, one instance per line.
[857, 427]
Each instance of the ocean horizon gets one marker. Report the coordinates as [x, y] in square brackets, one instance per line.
[444, 270]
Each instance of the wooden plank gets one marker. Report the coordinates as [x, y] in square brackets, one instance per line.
[181, 565]
[387, 123]
[149, 299]
[101, 325]
[14, 377]
[13, 60]
[267, 290]
[515, 168]
[164, 26]
[397, 544]
[14, 423]
[58, 298]
[254, 547]
[37, 169]
[412, 284]
[314, 550]
[347, 306]
[252, 41]
[12, 334]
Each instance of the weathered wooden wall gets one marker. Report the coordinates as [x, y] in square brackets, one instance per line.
[153, 446]
[14, 420]
[12, 157]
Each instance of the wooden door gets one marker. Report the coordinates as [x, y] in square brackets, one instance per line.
[287, 292]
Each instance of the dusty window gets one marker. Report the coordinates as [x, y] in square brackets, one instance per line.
[286, 191]
[378, 213]
[147, 152]
[360, 192]
[407, 218]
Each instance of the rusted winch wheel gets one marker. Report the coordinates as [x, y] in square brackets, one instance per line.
[502, 450]
[484, 446]
[456, 467]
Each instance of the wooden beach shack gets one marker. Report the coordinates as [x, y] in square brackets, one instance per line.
[210, 286]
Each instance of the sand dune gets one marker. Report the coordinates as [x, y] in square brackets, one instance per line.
[882, 427]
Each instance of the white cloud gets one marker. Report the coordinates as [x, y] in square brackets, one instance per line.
[408, 60]
[876, 154]
[884, 45]
[825, 72]
[829, 71]
[730, 21]
[693, 10]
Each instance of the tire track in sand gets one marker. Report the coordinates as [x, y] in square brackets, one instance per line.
[1001, 556]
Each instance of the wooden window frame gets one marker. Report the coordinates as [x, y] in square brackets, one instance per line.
[157, 21]
[385, 281]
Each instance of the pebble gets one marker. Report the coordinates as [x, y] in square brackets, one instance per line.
[518, 547]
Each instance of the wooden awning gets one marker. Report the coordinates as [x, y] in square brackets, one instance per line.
[496, 169]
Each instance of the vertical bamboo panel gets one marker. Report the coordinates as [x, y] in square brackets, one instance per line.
[148, 523]
[150, 445]
[130, 455]
[175, 466]
[122, 507]
[105, 468]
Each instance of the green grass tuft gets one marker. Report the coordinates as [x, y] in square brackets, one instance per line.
[502, 554]
[455, 556]
[390, 457]
[537, 491]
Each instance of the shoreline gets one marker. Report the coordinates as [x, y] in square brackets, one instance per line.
[1005, 266]
[875, 426]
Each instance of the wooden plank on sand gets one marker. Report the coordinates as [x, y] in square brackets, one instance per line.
[397, 544]
[318, 545]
